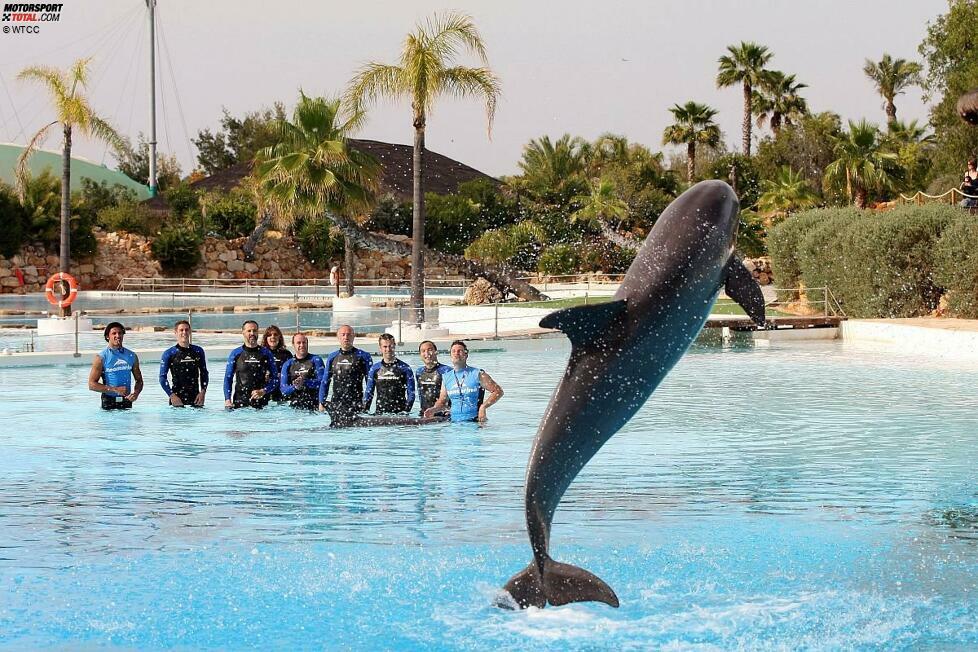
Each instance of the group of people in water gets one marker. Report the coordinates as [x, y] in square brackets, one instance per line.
[266, 371]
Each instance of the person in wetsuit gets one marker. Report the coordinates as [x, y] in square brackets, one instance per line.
[187, 365]
[428, 375]
[466, 388]
[251, 372]
[274, 341]
[113, 371]
[392, 379]
[346, 370]
[301, 375]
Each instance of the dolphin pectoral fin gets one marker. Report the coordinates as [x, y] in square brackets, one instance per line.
[564, 583]
[583, 324]
[525, 588]
[742, 288]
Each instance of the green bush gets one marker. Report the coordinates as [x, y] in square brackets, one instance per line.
[132, 218]
[13, 222]
[517, 245]
[391, 217]
[784, 239]
[956, 266]
[177, 247]
[231, 215]
[751, 236]
[559, 259]
[182, 199]
[452, 222]
[319, 243]
[600, 255]
[94, 197]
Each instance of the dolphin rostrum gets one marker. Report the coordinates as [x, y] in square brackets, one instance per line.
[621, 350]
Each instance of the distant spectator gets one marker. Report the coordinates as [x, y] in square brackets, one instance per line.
[969, 185]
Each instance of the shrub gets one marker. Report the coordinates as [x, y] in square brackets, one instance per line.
[229, 215]
[182, 200]
[132, 218]
[451, 223]
[94, 197]
[956, 266]
[517, 245]
[751, 235]
[177, 247]
[559, 259]
[13, 222]
[318, 243]
[391, 217]
[599, 255]
[784, 239]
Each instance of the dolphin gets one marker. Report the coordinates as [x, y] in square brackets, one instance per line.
[621, 350]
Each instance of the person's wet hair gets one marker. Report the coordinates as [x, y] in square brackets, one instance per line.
[461, 344]
[183, 321]
[248, 321]
[112, 325]
[426, 342]
[273, 329]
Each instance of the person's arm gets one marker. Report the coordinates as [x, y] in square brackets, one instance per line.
[272, 382]
[95, 377]
[284, 385]
[204, 378]
[317, 379]
[410, 385]
[137, 374]
[495, 393]
[368, 394]
[324, 385]
[229, 376]
[165, 371]
[439, 404]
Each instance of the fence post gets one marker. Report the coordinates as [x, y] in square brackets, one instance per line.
[826, 291]
[585, 297]
[77, 352]
[297, 313]
[495, 334]
[32, 341]
[400, 321]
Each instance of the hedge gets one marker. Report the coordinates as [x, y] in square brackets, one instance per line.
[896, 263]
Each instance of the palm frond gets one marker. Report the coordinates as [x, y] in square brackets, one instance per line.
[22, 171]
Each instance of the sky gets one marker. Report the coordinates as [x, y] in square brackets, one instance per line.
[574, 66]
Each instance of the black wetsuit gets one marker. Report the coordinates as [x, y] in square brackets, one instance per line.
[280, 354]
[188, 367]
[394, 383]
[249, 369]
[310, 370]
[429, 384]
[346, 371]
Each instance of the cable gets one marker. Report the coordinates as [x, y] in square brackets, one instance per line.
[12, 106]
[125, 86]
[176, 93]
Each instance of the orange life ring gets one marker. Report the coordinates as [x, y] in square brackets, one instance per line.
[67, 296]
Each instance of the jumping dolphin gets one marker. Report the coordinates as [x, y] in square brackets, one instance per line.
[621, 350]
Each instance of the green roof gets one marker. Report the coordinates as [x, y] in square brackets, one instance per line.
[80, 169]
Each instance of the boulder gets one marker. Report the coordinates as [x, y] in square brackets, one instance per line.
[481, 292]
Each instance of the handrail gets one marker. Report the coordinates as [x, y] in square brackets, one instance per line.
[919, 196]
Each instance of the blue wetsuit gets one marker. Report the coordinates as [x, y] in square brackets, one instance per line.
[346, 371]
[394, 383]
[117, 366]
[188, 366]
[429, 384]
[249, 369]
[465, 391]
[281, 355]
[310, 369]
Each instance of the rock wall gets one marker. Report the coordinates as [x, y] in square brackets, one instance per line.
[126, 255]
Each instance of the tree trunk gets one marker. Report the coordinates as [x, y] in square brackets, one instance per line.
[747, 114]
[775, 124]
[861, 196]
[252, 242]
[417, 227]
[501, 276]
[64, 261]
[690, 161]
[349, 263]
[890, 111]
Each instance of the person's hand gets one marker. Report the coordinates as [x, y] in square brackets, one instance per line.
[119, 390]
[322, 408]
[256, 394]
[132, 397]
[430, 412]
[299, 381]
[200, 399]
[175, 400]
[482, 414]
[228, 404]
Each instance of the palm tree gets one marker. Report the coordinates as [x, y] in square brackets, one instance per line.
[426, 70]
[73, 111]
[891, 76]
[694, 125]
[598, 207]
[862, 162]
[311, 170]
[553, 170]
[787, 193]
[744, 65]
[777, 101]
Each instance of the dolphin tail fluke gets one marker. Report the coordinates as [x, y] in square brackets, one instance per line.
[561, 584]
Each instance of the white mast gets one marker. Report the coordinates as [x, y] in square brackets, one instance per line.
[151, 5]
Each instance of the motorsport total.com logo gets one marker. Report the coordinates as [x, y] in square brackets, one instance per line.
[26, 17]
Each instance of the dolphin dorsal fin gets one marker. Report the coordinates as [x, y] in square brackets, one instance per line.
[740, 286]
[582, 324]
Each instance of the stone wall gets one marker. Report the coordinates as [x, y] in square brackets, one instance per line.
[125, 255]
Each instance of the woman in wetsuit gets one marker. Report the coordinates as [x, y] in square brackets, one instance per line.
[274, 342]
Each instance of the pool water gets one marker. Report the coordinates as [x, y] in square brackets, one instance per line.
[814, 496]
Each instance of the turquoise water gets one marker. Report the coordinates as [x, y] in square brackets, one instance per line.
[817, 497]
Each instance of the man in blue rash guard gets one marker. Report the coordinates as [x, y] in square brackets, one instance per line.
[302, 375]
[251, 371]
[466, 387]
[429, 374]
[392, 379]
[113, 371]
[346, 370]
[187, 364]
